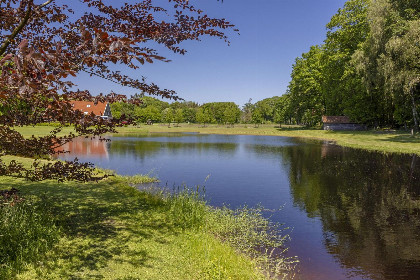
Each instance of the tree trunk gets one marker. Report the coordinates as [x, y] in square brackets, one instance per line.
[414, 109]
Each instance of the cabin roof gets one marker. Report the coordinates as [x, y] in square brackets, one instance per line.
[89, 107]
[335, 119]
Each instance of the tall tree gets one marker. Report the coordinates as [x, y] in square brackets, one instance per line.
[247, 109]
[341, 89]
[388, 59]
[306, 87]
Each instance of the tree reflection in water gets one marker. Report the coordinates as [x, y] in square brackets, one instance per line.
[369, 205]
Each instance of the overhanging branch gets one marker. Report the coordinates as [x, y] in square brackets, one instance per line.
[16, 31]
[21, 25]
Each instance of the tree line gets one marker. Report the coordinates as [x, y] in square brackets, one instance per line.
[368, 68]
[269, 110]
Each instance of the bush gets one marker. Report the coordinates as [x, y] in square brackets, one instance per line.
[27, 231]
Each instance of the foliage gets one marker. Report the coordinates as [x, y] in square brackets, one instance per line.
[222, 112]
[203, 116]
[179, 116]
[367, 67]
[45, 46]
[168, 115]
[246, 115]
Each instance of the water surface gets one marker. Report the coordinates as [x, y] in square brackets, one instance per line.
[354, 214]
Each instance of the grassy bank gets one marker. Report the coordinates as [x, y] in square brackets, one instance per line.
[394, 141]
[110, 230]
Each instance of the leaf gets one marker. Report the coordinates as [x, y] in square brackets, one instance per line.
[7, 57]
[104, 35]
[23, 44]
[141, 60]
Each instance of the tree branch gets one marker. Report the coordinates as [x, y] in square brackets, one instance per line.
[44, 4]
[21, 25]
[17, 30]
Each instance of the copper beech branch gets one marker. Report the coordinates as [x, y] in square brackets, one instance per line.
[17, 30]
[21, 25]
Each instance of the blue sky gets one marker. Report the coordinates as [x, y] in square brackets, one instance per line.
[256, 65]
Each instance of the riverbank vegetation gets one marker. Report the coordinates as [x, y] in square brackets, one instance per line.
[111, 230]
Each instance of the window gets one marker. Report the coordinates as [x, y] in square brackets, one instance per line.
[88, 106]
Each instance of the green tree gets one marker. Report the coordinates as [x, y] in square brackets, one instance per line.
[246, 115]
[341, 88]
[148, 113]
[305, 89]
[179, 116]
[232, 113]
[400, 65]
[190, 115]
[257, 117]
[388, 59]
[168, 116]
[281, 109]
[203, 116]
[267, 107]
[151, 101]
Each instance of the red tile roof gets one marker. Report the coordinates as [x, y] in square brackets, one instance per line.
[335, 119]
[89, 107]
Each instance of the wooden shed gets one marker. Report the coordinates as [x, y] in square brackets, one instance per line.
[340, 123]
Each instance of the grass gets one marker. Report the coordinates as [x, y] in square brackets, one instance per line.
[27, 230]
[394, 141]
[110, 230]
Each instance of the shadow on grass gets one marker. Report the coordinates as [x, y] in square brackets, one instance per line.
[291, 128]
[403, 138]
[98, 220]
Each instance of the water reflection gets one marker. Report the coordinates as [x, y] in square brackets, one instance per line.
[82, 146]
[355, 214]
[368, 203]
[145, 149]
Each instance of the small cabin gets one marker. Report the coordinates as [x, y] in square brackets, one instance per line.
[340, 123]
[101, 109]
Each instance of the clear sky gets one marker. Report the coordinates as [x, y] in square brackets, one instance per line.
[256, 65]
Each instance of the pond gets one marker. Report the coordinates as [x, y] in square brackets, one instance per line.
[353, 214]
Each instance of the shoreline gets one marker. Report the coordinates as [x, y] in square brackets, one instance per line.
[386, 142]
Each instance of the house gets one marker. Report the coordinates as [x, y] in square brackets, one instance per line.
[340, 123]
[101, 109]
